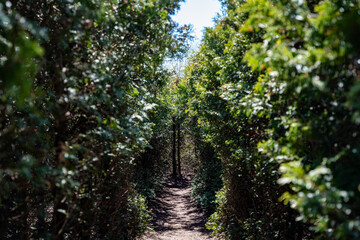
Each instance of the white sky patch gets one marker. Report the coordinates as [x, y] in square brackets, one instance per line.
[199, 13]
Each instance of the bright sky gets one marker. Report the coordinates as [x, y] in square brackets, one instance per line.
[199, 13]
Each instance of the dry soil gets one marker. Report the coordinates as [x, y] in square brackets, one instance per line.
[175, 215]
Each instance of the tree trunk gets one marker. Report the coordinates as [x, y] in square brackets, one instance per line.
[58, 195]
[174, 148]
[179, 143]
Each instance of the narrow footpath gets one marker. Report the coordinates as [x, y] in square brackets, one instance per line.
[175, 215]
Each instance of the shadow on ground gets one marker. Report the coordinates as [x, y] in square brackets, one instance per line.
[174, 209]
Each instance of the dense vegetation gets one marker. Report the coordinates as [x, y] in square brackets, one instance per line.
[78, 83]
[266, 114]
[275, 89]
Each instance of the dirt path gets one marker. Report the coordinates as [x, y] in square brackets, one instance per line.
[175, 215]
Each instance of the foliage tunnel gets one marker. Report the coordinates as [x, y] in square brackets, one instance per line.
[267, 113]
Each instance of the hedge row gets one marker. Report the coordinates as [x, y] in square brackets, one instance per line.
[275, 88]
[77, 81]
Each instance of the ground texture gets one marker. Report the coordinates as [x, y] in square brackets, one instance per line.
[175, 214]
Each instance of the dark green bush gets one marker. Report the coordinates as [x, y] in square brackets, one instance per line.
[275, 86]
[207, 180]
[77, 82]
